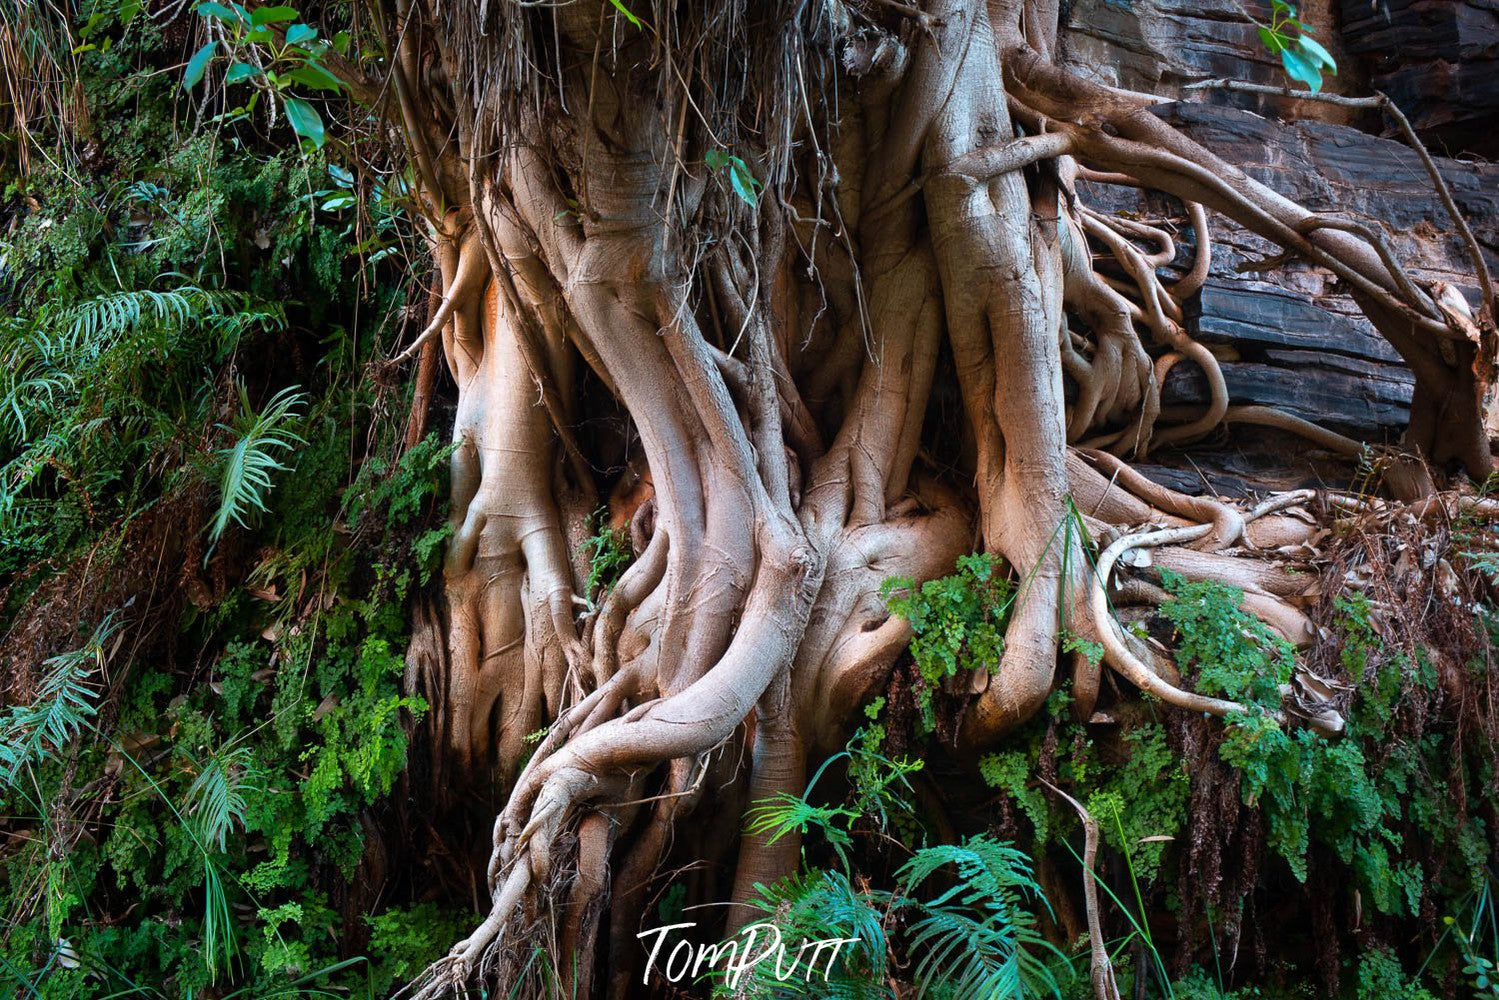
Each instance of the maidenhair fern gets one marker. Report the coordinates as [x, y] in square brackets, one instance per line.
[263, 440]
[957, 623]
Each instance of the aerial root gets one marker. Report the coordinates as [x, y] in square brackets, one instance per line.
[467, 286]
[1155, 306]
[1117, 652]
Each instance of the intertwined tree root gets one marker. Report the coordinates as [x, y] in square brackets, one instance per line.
[778, 366]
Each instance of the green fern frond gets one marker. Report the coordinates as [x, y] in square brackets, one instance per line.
[85, 329]
[63, 705]
[783, 813]
[216, 805]
[819, 906]
[216, 799]
[978, 938]
[50, 358]
[245, 477]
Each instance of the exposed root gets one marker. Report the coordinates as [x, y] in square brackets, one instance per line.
[464, 291]
[1116, 649]
[1101, 970]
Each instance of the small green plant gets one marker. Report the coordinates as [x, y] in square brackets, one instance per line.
[818, 906]
[64, 703]
[1381, 978]
[608, 553]
[975, 939]
[1303, 57]
[1477, 940]
[966, 919]
[957, 622]
[1233, 653]
[262, 439]
[741, 179]
[881, 783]
[878, 785]
[274, 51]
[215, 808]
[1308, 787]
[979, 938]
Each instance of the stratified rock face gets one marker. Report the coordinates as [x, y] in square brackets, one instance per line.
[1302, 345]
[1161, 46]
[1287, 337]
[1438, 59]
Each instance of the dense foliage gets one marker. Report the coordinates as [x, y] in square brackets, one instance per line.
[206, 506]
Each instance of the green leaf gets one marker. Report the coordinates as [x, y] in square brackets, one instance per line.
[1316, 52]
[743, 182]
[198, 65]
[241, 71]
[305, 120]
[741, 179]
[310, 74]
[299, 33]
[218, 11]
[1274, 41]
[271, 15]
[620, 6]
[1301, 68]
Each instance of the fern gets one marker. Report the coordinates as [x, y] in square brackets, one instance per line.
[215, 806]
[783, 813]
[216, 798]
[818, 906]
[245, 477]
[957, 623]
[85, 329]
[978, 939]
[63, 706]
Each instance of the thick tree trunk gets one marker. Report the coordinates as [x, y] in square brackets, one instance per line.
[776, 352]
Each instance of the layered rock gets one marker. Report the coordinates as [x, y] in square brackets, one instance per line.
[1287, 336]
